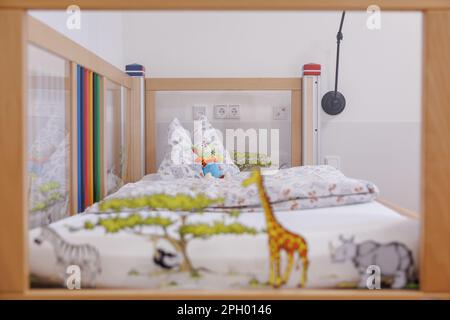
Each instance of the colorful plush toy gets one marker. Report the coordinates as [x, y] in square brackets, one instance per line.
[209, 159]
[213, 169]
[206, 154]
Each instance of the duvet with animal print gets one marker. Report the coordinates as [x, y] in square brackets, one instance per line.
[314, 248]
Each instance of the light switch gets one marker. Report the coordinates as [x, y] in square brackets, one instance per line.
[280, 113]
[198, 111]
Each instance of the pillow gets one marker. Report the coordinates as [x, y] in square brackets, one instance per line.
[208, 147]
[178, 161]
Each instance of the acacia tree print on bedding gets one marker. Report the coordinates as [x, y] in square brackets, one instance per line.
[177, 230]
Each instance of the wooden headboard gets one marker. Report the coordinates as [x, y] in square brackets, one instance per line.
[302, 90]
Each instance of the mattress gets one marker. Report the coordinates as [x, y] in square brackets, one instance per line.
[142, 250]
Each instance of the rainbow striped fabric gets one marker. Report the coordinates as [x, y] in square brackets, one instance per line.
[89, 135]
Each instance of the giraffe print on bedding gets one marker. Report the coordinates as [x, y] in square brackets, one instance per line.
[86, 256]
[280, 239]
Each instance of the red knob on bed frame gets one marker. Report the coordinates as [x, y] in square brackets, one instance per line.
[311, 69]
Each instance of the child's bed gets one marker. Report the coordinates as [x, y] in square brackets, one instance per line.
[128, 259]
[183, 229]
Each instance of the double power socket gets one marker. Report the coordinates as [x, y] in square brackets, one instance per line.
[227, 111]
[220, 111]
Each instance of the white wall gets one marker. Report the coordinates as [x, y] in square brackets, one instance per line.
[377, 136]
[100, 32]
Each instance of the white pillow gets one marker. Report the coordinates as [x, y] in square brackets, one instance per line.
[178, 161]
[209, 146]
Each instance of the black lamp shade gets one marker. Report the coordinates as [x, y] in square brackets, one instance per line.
[333, 102]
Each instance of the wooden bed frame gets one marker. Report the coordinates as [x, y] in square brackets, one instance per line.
[292, 85]
[17, 29]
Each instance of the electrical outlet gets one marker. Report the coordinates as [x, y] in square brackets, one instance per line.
[220, 111]
[234, 111]
[280, 113]
[198, 111]
[334, 161]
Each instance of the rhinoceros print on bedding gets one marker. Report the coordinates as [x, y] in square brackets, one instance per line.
[394, 260]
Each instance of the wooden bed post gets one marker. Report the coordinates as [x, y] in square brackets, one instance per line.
[150, 132]
[296, 129]
[137, 129]
[128, 136]
[311, 114]
[13, 184]
[435, 253]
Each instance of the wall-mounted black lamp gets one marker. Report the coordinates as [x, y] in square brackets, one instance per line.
[333, 102]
